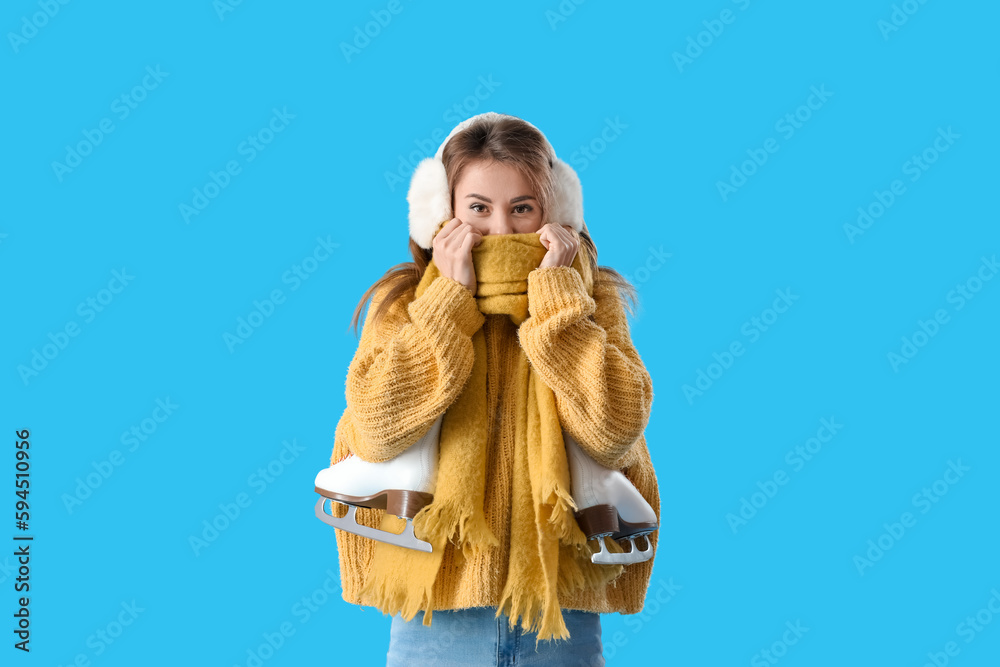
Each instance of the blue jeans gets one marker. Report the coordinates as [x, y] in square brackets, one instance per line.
[474, 637]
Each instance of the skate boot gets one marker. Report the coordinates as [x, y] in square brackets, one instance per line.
[401, 486]
[610, 505]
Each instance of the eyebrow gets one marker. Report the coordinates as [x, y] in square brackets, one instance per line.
[490, 201]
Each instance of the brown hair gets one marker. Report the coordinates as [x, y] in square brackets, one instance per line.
[509, 140]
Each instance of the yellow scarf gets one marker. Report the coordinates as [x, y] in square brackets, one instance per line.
[549, 554]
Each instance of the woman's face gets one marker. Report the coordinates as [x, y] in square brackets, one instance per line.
[496, 199]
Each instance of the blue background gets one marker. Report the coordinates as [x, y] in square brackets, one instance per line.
[684, 126]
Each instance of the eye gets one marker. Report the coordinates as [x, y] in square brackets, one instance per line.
[477, 210]
[526, 208]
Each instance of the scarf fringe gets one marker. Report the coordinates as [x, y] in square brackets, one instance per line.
[535, 614]
[440, 521]
[562, 520]
[395, 587]
[577, 572]
[390, 597]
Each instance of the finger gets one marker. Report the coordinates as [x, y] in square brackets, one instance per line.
[561, 236]
[570, 234]
[543, 236]
[471, 239]
[446, 229]
[461, 230]
[458, 235]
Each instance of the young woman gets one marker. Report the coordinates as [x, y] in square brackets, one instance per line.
[504, 339]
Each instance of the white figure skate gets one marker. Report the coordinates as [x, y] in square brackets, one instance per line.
[400, 486]
[610, 505]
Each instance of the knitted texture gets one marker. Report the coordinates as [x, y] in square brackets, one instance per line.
[410, 369]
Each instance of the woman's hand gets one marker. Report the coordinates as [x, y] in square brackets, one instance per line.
[561, 242]
[453, 252]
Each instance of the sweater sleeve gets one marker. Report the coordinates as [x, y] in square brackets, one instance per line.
[407, 371]
[603, 391]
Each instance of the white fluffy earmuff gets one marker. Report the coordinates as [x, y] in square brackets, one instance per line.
[430, 198]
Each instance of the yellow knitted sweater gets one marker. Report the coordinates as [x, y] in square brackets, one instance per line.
[407, 372]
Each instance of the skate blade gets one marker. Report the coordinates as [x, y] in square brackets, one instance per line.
[349, 523]
[605, 557]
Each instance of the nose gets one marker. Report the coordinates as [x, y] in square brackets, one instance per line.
[500, 223]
